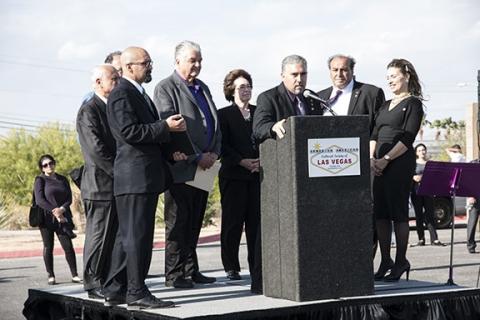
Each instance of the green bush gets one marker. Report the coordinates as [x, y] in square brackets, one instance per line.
[19, 154]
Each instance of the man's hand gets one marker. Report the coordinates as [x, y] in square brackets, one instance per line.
[179, 156]
[176, 123]
[207, 160]
[278, 129]
[252, 165]
[471, 200]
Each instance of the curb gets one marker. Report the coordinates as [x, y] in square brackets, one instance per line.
[59, 251]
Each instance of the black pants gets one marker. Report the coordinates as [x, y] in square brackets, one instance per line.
[424, 215]
[240, 201]
[132, 251]
[100, 231]
[471, 226]
[184, 211]
[67, 245]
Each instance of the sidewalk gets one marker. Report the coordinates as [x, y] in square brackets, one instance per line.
[28, 243]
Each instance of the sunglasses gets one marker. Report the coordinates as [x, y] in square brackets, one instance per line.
[48, 164]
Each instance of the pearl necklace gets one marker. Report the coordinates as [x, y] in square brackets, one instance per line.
[396, 100]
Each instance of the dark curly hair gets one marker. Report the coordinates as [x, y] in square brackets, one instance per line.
[229, 87]
[406, 67]
[43, 157]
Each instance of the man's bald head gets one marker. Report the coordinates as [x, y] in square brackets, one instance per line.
[104, 78]
[136, 64]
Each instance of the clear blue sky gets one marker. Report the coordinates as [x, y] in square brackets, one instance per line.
[49, 47]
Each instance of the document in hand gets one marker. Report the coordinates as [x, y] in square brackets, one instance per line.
[204, 178]
[179, 141]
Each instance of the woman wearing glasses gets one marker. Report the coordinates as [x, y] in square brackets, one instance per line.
[53, 194]
[238, 177]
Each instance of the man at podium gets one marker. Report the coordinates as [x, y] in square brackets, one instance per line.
[275, 105]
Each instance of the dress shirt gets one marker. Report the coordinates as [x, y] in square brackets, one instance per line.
[343, 102]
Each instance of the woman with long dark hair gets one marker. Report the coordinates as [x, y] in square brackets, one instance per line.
[53, 194]
[393, 163]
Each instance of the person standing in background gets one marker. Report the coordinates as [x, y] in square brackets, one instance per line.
[239, 179]
[98, 150]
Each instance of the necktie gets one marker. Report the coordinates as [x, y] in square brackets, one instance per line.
[334, 99]
[300, 107]
[153, 110]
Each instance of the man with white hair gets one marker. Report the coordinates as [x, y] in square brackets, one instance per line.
[98, 149]
[185, 205]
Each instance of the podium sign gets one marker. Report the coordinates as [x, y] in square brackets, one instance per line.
[317, 233]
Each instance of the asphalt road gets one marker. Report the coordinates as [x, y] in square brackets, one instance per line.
[428, 264]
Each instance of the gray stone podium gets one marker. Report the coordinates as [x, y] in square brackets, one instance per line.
[317, 234]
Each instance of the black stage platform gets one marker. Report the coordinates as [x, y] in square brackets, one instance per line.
[232, 300]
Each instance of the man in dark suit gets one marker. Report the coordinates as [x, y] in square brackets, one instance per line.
[274, 106]
[348, 96]
[140, 175]
[185, 205]
[98, 149]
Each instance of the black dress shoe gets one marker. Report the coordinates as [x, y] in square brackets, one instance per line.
[197, 277]
[233, 275]
[180, 283]
[114, 301]
[150, 302]
[254, 290]
[95, 294]
[471, 250]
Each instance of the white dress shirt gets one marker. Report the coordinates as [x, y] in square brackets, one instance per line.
[341, 105]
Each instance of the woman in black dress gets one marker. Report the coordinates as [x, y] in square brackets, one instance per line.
[393, 163]
[238, 176]
[423, 205]
[54, 196]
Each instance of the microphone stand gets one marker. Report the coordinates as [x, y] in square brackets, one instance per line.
[326, 106]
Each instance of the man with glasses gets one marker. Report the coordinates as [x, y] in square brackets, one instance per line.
[185, 205]
[140, 175]
[98, 149]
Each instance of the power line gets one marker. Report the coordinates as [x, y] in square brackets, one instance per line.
[42, 66]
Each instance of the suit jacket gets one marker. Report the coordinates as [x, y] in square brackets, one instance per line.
[139, 166]
[172, 96]
[98, 149]
[366, 100]
[274, 105]
[237, 143]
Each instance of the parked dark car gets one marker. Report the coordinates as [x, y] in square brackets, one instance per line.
[443, 210]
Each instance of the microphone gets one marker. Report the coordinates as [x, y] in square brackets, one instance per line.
[307, 93]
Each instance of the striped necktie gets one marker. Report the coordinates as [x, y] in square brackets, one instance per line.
[300, 107]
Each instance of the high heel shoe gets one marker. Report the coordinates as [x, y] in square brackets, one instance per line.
[397, 273]
[382, 270]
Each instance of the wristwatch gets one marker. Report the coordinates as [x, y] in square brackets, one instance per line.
[387, 157]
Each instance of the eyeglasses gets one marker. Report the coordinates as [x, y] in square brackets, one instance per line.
[48, 164]
[244, 87]
[146, 64]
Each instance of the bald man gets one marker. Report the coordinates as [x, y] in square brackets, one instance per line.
[98, 150]
[140, 175]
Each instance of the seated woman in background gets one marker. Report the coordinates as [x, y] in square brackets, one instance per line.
[423, 205]
[53, 194]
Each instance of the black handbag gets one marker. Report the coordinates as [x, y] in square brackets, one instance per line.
[36, 215]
